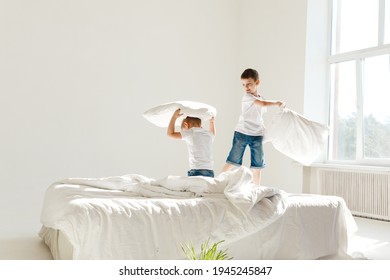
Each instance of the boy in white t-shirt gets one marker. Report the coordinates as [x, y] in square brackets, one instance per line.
[199, 143]
[250, 128]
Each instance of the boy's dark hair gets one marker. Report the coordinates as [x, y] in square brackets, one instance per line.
[250, 73]
[193, 121]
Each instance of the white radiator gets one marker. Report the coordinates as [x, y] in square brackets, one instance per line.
[366, 193]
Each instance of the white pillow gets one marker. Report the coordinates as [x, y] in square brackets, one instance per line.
[161, 115]
[296, 136]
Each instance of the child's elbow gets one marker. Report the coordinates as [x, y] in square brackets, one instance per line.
[174, 135]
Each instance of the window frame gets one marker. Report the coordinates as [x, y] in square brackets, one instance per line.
[358, 56]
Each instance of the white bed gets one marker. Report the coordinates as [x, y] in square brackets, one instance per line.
[134, 217]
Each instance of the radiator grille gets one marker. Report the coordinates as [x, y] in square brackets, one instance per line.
[367, 194]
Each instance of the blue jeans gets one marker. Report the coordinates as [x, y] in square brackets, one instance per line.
[201, 172]
[255, 143]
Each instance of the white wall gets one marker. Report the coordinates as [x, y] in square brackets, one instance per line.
[75, 77]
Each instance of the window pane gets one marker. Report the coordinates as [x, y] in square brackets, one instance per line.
[344, 94]
[387, 22]
[376, 107]
[355, 25]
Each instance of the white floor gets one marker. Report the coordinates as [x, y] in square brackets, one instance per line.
[372, 241]
[24, 248]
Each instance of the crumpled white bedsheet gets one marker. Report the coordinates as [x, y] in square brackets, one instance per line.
[135, 217]
[296, 136]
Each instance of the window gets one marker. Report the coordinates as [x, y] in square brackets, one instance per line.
[359, 66]
[387, 24]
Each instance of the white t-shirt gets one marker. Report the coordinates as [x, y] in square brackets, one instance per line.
[251, 119]
[200, 147]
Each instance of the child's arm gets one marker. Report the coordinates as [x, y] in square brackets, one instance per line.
[171, 127]
[212, 125]
[266, 103]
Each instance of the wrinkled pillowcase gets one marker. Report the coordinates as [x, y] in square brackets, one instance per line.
[297, 137]
[161, 115]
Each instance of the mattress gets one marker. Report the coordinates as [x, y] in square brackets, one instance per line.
[134, 217]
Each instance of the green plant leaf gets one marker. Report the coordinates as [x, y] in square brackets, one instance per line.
[206, 252]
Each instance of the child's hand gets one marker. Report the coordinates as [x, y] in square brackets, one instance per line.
[177, 114]
[282, 104]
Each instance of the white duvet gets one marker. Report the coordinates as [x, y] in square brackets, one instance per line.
[135, 217]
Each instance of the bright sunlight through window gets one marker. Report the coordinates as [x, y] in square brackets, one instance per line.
[359, 67]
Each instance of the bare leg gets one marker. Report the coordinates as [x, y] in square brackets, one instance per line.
[227, 167]
[256, 176]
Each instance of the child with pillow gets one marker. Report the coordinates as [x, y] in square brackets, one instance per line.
[199, 143]
[250, 128]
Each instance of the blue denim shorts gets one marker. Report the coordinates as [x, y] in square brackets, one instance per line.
[201, 172]
[255, 143]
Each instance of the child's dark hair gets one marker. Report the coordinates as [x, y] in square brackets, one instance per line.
[193, 121]
[250, 73]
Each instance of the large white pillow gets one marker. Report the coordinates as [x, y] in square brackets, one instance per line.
[161, 115]
[296, 136]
